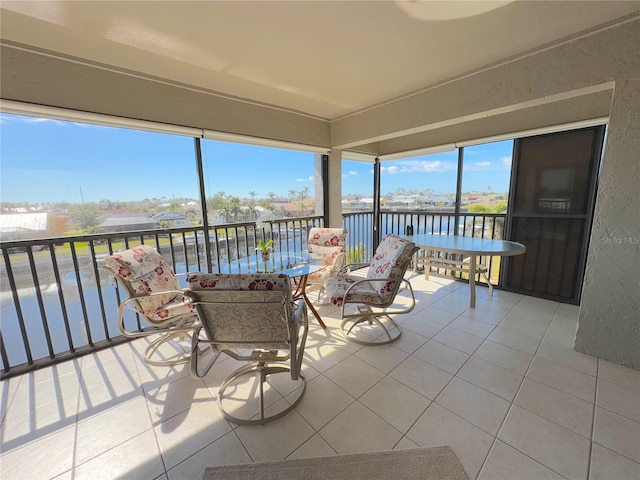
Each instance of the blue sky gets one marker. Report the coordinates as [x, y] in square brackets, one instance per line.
[48, 161]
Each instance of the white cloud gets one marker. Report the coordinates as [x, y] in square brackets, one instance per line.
[506, 161]
[308, 179]
[351, 172]
[411, 166]
[483, 164]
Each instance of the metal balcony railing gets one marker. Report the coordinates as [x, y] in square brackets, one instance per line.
[58, 303]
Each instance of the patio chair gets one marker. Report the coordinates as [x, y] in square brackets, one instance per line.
[327, 246]
[254, 312]
[154, 293]
[378, 290]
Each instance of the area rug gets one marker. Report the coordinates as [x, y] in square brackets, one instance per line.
[433, 463]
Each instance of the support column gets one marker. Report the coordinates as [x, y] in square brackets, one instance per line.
[609, 322]
[334, 181]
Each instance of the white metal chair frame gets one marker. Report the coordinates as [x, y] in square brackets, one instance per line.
[267, 356]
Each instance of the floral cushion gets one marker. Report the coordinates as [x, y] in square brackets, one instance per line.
[363, 293]
[326, 245]
[145, 271]
[233, 281]
[390, 261]
[244, 310]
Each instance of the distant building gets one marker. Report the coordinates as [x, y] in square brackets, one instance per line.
[27, 226]
[143, 221]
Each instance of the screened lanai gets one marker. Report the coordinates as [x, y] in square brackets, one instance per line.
[524, 385]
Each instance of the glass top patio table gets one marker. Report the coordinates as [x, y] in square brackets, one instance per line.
[469, 246]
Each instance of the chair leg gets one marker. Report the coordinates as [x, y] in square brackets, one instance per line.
[153, 347]
[367, 315]
[259, 370]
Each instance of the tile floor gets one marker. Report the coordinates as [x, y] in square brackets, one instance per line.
[500, 384]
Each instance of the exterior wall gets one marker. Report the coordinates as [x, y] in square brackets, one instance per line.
[609, 325]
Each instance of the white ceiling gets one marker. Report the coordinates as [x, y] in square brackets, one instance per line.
[323, 58]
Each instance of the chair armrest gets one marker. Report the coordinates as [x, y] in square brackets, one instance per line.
[369, 280]
[350, 267]
[188, 273]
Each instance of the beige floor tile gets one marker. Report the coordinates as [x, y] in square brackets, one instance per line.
[492, 317]
[399, 405]
[507, 463]
[54, 372]
[405, 444]
[107, 395]
[174, 350]
[30, 425]
[620, 375]
[525, 324]
[482, 408]
[562, 330]
[421, 376]
[32, 395]
[322, 402]
[563, 378]
[227, 450]
[618, 399]
[608, 465]
[559, 407]
[438, 426]
[409, 341]
[437, 315]
[323, 357]
[103, 369]
[68, 475]
[617, 433]
[454, 303]
[474, 327]
[504, 356]
[176, 397]
[540, 306]
[137, 458]
[275, 440]
[150, 374]
[35, 460]
[463, 341]
[357, 429]
[495, 379]
[496, 307]
[514, 339]
[383, 357]
[188, 432]
[122, 351]
[564, 354]
[313, 448]
[421, 326]
[353, 375]
[442, 356]
[554, 446]
[108, 429]
[221, 369]
[482, 291]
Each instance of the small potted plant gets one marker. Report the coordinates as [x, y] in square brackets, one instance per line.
[265, 249]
